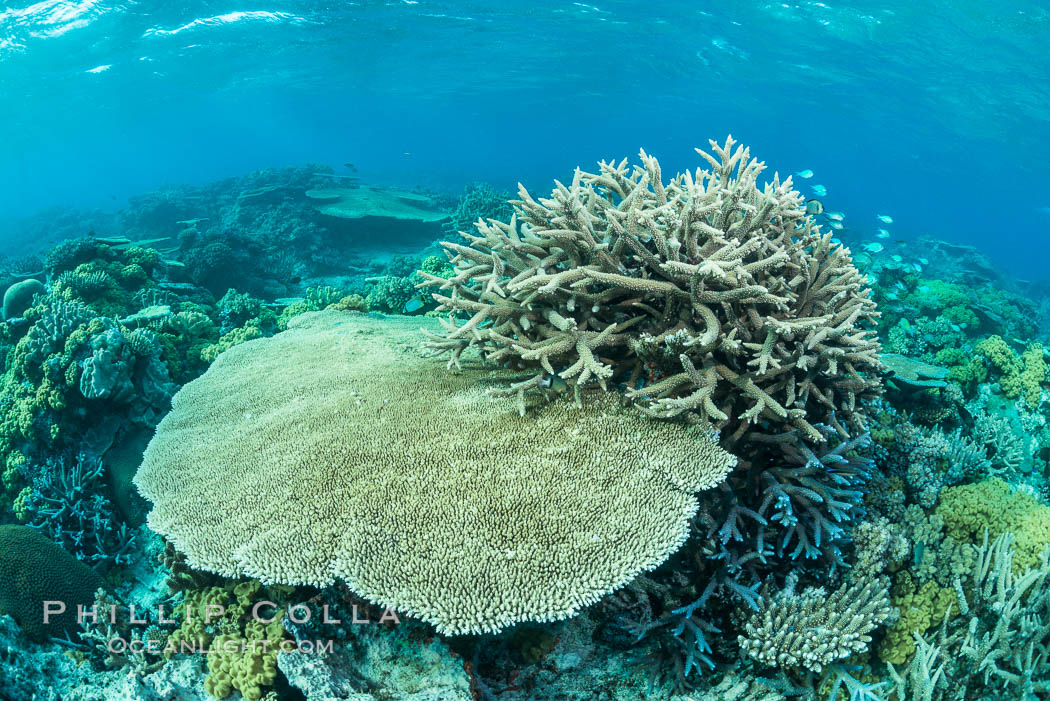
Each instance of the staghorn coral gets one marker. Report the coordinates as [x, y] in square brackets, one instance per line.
[67, 500]
[708, 293]
[994, 643]
[479, 201]
[813, 629]
[441, 502]
[766, 520]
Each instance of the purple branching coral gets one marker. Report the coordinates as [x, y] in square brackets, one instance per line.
[791, 515]
[801, 505]
[66, 502]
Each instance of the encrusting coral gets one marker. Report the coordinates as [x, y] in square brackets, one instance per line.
[441, 501]
[708, 293]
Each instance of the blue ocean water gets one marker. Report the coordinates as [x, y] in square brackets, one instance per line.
[935, 113]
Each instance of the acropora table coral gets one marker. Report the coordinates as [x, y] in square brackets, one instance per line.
[362, 461]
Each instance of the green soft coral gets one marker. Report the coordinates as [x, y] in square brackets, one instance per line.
[920, 608]
[1019, 376]
[991, 504]
[242, 651]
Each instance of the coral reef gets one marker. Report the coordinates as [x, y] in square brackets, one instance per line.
[991, 505]
[708, 293]
[996, 646]
[479, 202]
[34, 570]
[813, 628]
[440, 501]
[19, 297]
[863, 545]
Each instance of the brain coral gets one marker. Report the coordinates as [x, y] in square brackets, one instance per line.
[34, 570]
[707, 294]
[335, 450]
[19, 297]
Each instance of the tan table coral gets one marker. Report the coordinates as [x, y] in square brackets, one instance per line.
[375, 201]
[335, 450]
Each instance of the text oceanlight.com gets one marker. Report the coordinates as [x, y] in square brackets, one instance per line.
[263, 612]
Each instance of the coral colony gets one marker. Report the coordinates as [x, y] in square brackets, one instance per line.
[655, 436]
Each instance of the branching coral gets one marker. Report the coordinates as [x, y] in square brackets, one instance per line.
[813, 629]
[793, 515]
[803, 505]
[928, 459]
[66, 500]
[707, 294]
[998, 646]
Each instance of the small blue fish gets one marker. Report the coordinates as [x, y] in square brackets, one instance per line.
[884, 218]
[836, 225]
[924, 261]
[820, 190]
[897, 259]
[837, 242]
[836, 216]
[805, 174]
[873, 247]
[923, 288]
[883, 234]
[893, 296]
[413, 305]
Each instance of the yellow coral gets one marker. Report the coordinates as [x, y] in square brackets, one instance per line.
[350, 303]
[247, 663]
[242, 652]
[1021, 376]
[919, 609]
[991, 504]
[1033, 375]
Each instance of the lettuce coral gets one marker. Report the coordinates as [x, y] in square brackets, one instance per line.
[991, 504]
